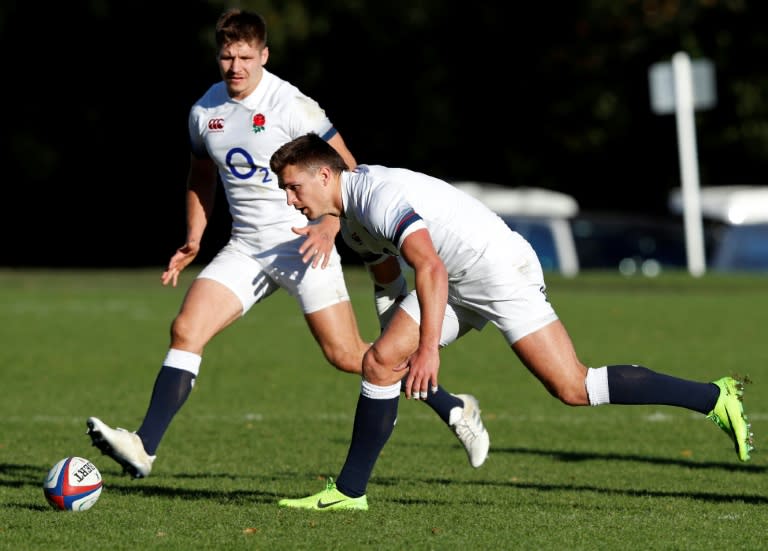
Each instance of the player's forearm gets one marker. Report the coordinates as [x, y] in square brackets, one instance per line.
[201, 195]
[198, 211]
[432, 290]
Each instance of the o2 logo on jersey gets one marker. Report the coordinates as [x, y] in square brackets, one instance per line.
[216, 125]
[253, 168]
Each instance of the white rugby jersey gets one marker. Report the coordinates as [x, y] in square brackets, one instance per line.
[383, 205]
[241, 136]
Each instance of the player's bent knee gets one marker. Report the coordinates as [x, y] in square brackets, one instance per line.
[379, 373]
[186, 335]
[179, 331]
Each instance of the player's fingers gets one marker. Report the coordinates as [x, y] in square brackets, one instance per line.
[312, 256]
[419, 390]
[409, 388]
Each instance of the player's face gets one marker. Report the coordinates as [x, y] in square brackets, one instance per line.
[240, 64]
[306, 191]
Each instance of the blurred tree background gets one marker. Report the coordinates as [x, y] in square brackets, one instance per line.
[551, 94]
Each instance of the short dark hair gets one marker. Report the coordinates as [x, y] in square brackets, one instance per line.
[306, 152]
[236, 25]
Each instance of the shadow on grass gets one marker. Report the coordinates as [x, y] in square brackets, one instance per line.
[18, 476]
[711, 497]
[21, 476]
[575, 457]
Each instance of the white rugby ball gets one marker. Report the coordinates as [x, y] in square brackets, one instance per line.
[73, 484]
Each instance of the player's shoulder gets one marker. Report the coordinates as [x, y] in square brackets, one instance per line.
[284, 93]
[278, 84]
[373, 177]
[371, 184]
[387, 177]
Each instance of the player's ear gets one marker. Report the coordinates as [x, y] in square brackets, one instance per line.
[325, 174]
[264, 55]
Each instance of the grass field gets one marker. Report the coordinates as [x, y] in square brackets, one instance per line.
[268, 418]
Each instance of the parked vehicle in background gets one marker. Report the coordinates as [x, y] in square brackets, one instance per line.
[540, 215]
[569, 241]
[736, 226]
[633, 244]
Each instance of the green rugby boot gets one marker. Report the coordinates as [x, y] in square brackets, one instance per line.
[327, 500]
[728, 414]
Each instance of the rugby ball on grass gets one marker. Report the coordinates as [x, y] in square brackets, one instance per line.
[73, 484]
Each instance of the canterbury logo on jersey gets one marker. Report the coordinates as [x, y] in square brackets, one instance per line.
[216, 125]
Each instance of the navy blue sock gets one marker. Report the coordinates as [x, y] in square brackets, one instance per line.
[441, 401]
[374, 423]
[172, 388]
[635, 384]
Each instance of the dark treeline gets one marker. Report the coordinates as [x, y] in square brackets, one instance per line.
[551, 94]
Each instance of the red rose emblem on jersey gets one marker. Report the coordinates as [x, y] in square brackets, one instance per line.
[258, 122]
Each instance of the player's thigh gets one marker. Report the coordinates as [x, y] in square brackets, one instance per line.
[208, 307]
[334, 324]
[323, 297]
[550, 355]
[335, 330]
[223, 292]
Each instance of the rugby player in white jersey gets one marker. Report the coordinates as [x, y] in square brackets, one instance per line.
[234, 128]
[469, 269]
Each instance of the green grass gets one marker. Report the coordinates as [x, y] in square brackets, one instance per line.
[269, 418]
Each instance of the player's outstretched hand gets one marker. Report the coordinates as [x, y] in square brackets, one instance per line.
[183, 257]
[320, 238]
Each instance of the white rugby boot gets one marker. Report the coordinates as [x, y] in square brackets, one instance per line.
[468, 427]
[121, 445]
